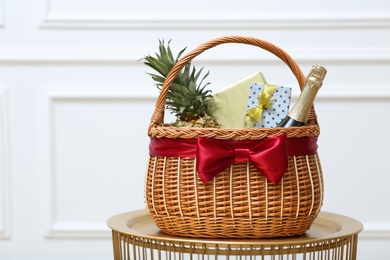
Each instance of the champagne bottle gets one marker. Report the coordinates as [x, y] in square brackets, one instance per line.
[299, 113]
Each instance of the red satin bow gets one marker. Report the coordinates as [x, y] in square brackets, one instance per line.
[269, 156]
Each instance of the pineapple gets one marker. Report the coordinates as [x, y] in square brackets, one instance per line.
[187, 99]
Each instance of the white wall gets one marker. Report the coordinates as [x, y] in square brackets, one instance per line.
[75, 103]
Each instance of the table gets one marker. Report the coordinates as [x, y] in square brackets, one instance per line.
[135, 236]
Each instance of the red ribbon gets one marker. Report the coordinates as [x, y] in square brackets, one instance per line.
[269, 155]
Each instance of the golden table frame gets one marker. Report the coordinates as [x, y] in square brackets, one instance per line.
[332, 236]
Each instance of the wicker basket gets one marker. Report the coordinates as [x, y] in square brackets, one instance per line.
[239, 202]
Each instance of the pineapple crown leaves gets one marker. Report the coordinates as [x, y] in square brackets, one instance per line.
[186, 98]
[163, 63]
[189, 102]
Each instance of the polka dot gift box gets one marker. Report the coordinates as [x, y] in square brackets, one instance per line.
[276, 108]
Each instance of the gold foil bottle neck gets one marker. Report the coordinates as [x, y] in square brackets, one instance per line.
[314, 80]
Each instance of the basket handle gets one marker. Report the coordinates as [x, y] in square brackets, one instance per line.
[158, 115]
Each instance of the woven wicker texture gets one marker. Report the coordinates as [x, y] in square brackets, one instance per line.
[239, 202]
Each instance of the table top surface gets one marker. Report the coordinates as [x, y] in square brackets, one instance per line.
[327, 226]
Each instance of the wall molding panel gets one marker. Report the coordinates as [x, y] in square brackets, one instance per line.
[107, 55]
[67, 56]
[60, 14]
[77, 230]
[4, 167]
[74, 230]
[2, 14]
[56, 228]
[339, 89]
[376, 231]
[55, 20]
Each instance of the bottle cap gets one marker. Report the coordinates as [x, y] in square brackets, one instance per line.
[317, 74]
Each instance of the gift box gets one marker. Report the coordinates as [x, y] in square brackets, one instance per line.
[274, 111]
[230, 104]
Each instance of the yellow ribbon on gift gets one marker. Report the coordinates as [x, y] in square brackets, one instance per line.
[255, 114]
